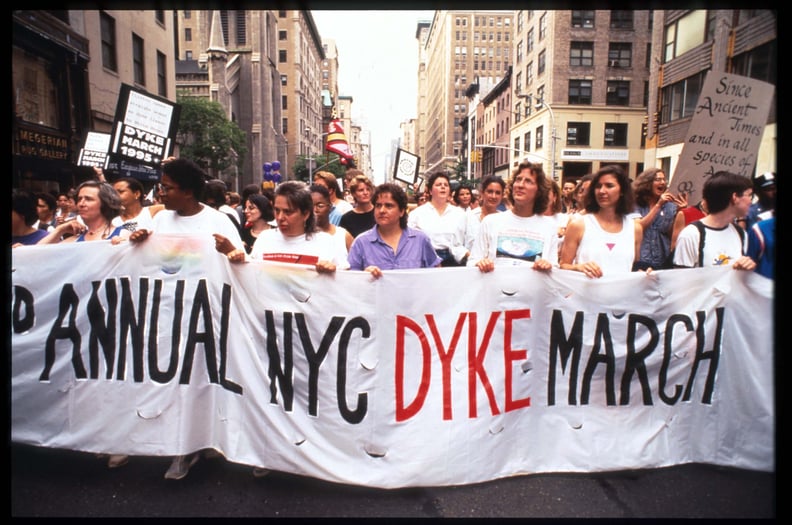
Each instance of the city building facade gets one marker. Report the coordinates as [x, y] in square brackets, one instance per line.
[580, 89]
[67, 70]
[461, 47]
[230, 57]
[300, 59]
[686, 45]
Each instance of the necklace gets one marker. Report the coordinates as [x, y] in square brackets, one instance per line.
[105, 231]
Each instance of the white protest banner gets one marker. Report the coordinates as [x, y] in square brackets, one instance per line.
[725, 131]
[421, 378]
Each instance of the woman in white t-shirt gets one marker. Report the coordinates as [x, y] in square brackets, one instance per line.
[605, 240]
[296, 239]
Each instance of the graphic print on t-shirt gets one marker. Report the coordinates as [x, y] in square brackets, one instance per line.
[521, 247]
[294, 258]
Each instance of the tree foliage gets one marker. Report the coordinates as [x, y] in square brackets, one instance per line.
[207, 137]
[330, 162]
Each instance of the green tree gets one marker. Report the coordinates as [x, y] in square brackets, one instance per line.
[330, 162]
[207, 137]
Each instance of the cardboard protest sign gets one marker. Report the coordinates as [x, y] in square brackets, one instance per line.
[725, 132]
[406, 166]
[144, 132]
[94, 151]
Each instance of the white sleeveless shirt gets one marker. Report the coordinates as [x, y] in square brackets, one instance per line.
[614, 252]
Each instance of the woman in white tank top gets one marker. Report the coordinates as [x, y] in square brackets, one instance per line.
[606, 240]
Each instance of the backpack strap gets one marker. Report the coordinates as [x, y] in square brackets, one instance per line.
[702, 230]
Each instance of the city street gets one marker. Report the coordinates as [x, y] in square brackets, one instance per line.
[59, 483]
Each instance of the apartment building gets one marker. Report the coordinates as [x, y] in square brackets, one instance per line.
[300, 58]
[494, 126]
[421, 34]
[580, 89]
[462, 47]
[67, 71]
[329, 81]
[231, 57]
[686, 45]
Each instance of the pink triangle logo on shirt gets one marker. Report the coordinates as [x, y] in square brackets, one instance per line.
[610, 245]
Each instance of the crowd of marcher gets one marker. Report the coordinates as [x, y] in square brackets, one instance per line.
[604, 224]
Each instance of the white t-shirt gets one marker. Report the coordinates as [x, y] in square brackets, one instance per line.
[613, 252]
[208, 221]
[721, 247]
[446, 231]
[143, 221]
[272, 245]
[508, 239]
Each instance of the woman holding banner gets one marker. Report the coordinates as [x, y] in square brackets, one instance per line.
[97, 204]
[606, 240]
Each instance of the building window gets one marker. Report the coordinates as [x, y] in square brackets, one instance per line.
[759, 63]
[580, 91]
[541, 62]
[620, 54]
[529, 76]
[159, 16]
[284, 102]
[282, 35]
[138, 60]
[679, 99]
[224, 25]
[684, 34]
[517, 112]
[285, 125]
[529, 41]
[187, 14]
[578, 133]
[108, 42]
[615, 134]
[621, 19]
[618, 93]
[519, 52]
[283, 80]
[281, 56]
[539, 136]
[281, 14]
[241, 28]
[517, 146]
[188, 55]
[527, 141]
[518, 83]
[581, 54]
[542, 27]
[584, 19]
[162, 79]
[187, 34]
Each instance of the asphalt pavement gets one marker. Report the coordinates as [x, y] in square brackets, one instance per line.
[61, 483]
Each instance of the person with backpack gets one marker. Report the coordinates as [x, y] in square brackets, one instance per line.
[716, 240]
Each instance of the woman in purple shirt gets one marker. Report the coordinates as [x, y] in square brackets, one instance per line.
[390, 244]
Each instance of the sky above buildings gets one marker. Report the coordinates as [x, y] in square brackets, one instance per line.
[378, 68]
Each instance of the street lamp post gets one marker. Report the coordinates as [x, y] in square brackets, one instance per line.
[311, 169]
[538, 105]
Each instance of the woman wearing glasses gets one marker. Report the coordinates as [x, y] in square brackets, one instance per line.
[659, 214]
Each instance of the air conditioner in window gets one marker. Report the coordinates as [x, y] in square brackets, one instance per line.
[613, 63]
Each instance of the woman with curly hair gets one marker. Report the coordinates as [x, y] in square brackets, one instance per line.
[660, 217]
